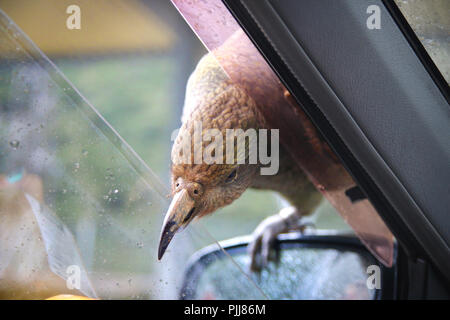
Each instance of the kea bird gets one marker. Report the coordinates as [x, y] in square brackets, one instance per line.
[232, 88]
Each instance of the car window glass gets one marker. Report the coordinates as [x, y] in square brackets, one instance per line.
[80, 211]
[430, 20]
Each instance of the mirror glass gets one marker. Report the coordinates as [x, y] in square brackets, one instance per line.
[302, 273]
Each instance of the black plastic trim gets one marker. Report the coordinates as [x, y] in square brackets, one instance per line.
[206, 256]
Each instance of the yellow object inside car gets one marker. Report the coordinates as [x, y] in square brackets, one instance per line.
[69, 297]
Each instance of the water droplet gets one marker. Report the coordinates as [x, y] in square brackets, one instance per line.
[14, 144]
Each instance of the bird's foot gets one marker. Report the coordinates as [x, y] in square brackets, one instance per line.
[262, 247]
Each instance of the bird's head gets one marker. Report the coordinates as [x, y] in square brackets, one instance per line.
[196, 195]
[201, 186]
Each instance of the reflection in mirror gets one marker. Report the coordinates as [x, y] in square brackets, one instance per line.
[302, 273]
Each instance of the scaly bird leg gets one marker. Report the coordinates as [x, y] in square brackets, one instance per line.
[262, 247]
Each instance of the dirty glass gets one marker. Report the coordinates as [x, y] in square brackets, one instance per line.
[80, 212]
[301, 274]
[430, 20]
[245, 66]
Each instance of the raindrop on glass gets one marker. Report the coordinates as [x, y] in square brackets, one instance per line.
[14, 144]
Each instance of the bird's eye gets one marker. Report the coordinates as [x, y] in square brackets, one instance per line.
[232, 176]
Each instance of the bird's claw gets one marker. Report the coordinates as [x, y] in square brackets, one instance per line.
[263, 247]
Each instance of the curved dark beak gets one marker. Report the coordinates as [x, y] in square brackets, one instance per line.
[178, 216]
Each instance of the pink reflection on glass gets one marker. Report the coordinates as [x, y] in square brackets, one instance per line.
[243, 63]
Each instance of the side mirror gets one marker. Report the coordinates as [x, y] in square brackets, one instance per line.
[309, 267]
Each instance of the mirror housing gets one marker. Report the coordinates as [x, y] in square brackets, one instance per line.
[310, 266]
